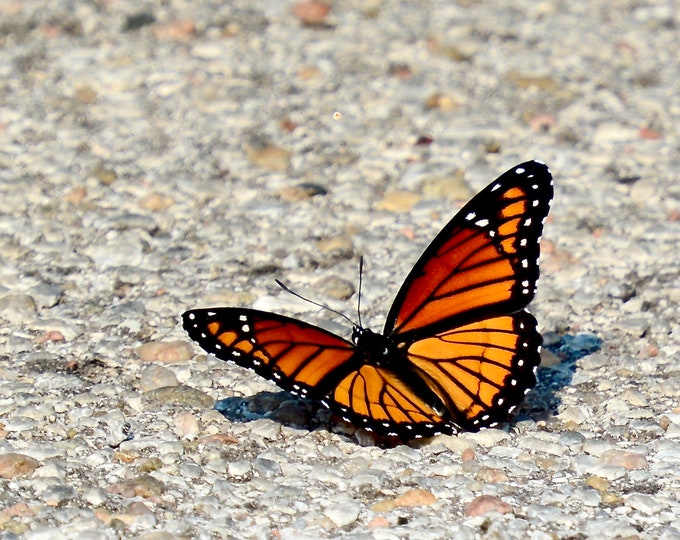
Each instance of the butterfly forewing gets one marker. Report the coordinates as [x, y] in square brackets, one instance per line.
[299, 357]
[483, 263]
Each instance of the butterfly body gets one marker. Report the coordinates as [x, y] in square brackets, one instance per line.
[380, 351]
[374, 345]
[458, 351]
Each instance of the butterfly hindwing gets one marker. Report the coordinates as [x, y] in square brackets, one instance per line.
[483, 263]
[482, 370]
[388, 402]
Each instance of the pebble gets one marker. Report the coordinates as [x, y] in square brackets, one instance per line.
[58, 495]
[267, 468]
[144, 486]
[415, 497]
[343, 514]
[45, 533]
[486, 503]
[187, 426]
[644, 503]
[51, 470]
[166, 352]
[487, 437]
[627, 460]
[14, 464]
[18, 308]
[239, 468]
[574, 414]
[123, 249]
[154, 377]
[94, 496]
[180, 395]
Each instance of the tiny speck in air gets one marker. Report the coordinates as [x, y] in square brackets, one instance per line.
[337, 115]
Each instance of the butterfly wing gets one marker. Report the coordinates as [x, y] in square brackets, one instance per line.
[483, 263]
[299, 357]
[459, 320]
[381, 399]
[482, 370]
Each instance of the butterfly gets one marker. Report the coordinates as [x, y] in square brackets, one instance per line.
[459, 350]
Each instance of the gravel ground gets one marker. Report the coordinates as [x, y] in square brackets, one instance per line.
[158, 156]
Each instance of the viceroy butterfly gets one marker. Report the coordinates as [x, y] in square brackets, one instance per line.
[459, 351]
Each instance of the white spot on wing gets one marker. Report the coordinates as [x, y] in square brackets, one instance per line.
[520, 170]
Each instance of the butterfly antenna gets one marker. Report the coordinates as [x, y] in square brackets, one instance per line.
[361, 273]
[324, 306]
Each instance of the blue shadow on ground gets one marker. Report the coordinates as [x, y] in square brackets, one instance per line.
[544, 401]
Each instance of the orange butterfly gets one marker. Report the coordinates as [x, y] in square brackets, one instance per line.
[459, 349]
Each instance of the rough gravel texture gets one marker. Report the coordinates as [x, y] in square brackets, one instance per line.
[157, 156]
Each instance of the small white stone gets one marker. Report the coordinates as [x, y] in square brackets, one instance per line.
[343, 514]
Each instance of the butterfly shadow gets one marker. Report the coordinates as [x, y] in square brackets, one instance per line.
[564, 351]
[294, 412]
[304, 414]
[279, 406]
